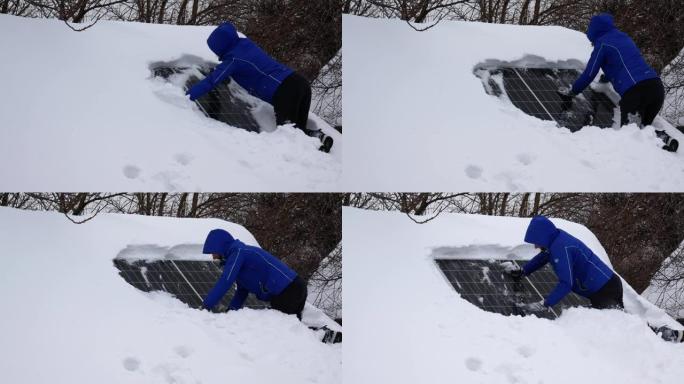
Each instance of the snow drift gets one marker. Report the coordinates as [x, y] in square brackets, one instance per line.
[69, 317]
[424, 332]
[81, 111]
[419, 119]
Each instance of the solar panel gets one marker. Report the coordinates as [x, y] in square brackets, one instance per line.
[188, 280]
[486, 284]
[226, 102]
[534, 91]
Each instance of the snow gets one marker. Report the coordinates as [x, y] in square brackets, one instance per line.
[669, 294]
[418, 118]
[422, 331]
[81, 111]
[69, 317]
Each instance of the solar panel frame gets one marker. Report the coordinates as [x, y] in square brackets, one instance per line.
[188, 280]
[503, 295]
[226, 102]
[534, 91]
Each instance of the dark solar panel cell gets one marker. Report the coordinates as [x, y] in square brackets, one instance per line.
[485, 284]
[534, 91]
[189, 281]
[223, 103]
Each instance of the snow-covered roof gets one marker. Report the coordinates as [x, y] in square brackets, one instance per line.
[419, 119]
[69, 317]
[414, 327]
[82, 111]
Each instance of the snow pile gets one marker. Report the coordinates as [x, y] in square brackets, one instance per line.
[69, 317]
[409, 325]
[81, 111]
[419, 119]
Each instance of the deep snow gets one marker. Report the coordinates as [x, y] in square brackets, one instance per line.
[424, 332]
[418, 119]
[69, 317]
[81, 111]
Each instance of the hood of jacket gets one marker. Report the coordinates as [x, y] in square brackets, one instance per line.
[541, 231]
[218, 241]
[223, 39]
[599, 26]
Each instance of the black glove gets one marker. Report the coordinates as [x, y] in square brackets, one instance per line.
[537, 306]
[516, 274]
[566, 96]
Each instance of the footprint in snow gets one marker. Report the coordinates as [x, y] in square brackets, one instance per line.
[526, 350]
[473, 171]
[183, 158]
[131, 171]
[131, 363]
[473, 363]
[525, 158]
[183, 351]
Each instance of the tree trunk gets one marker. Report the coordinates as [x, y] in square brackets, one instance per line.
[537, 201]
[181, 12]
[504, 12]
[162, 204]
[195, 8]
[162, 12]
[181, 205]
[537, 12]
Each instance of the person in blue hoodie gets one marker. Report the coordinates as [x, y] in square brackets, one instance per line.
[262, 76]
[254, 271]
[578, 269]
[640, 88]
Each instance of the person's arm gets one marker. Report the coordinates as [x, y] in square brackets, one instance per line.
[220, 73]
[564, 286]
[590, 72]
[230, 272]
[238, 299]
[537, 262]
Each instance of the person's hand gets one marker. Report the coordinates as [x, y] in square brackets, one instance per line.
[566, 96]
[198, 90]
[537, 306]
[516, 274]
[565, 93]
[514, 271]
[221, 308]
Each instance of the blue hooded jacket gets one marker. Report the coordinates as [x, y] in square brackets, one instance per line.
[578, 269]
[245, 62]
[253, 269]
[616, 54]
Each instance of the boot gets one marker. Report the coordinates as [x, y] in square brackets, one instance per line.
[671, 145]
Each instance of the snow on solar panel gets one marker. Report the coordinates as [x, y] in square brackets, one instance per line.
[534, 91]
[223, 103]
[486, 284]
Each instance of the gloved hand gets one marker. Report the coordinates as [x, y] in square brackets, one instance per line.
[566, 96]
[516, 274]
[200, 89]
[537, 306]
[513, 270]
[220, 308]
[604, 79]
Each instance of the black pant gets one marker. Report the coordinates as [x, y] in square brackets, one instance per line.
[292, 299]
[292, 101]
[609, 296]
[644, 98]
